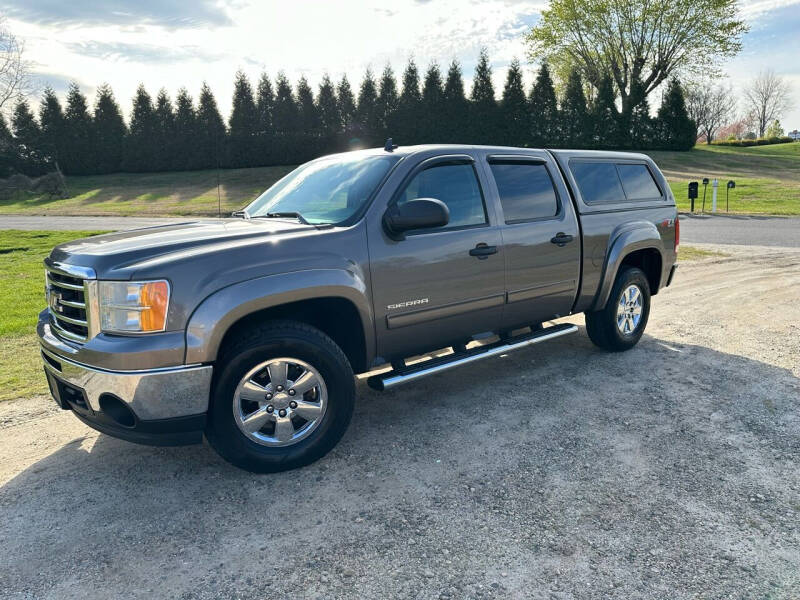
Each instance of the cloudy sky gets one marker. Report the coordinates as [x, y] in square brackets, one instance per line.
[174, 43]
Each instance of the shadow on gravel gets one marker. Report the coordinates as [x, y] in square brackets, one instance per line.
[667, 471]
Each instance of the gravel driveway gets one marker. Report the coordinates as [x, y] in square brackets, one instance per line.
[559, 471]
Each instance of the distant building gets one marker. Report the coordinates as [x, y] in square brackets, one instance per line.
[795, 135]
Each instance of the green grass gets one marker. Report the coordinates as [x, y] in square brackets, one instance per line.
[767, 177]
[151, 194]
[767, 182]
[22, 298]
[690, 253]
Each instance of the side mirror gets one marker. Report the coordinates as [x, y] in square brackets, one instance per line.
[420, 213]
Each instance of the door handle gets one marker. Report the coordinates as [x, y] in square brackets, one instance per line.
[561, 239]
[482, 251]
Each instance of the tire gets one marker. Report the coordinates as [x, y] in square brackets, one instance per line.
[276, 431]
[603, 326]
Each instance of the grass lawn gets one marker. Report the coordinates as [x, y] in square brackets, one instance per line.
[767, 177]
[689, 253]
[22, 298]
[767, 182]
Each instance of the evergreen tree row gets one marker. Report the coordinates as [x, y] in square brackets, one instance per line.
[275, 123]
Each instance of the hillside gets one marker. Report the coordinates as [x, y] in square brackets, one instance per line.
[767, 182]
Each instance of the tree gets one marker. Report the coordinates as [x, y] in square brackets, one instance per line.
[386, 105]
[211, 130]
[676, 130]
[639, 129]
[543, 109]
[108, 131]
[767, 98]
[367, 117]
[574, 114]
[8, 162]
[639, 40]
[15, 77]
[27, 136]
[79, 154]
[164, 149]
[406, 126]
[603, 116]
[285, 113]
[774, 129]
[265, 103]
[186, 134]
[328, 109]
[309, 119]
[51, 122]
[484, 104]
[432, 107]
[455, 106]
[514, 108]
[709, 106]
[346, 104]
[243, 124]
[140, 153]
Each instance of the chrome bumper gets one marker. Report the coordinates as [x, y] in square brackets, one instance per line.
[151, 395]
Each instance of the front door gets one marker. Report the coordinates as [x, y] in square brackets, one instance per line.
[438, 286]
[541, 238]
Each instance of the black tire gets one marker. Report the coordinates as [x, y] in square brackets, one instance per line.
[273, 340]
[601, 325]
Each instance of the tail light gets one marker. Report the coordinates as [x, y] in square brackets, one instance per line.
[677, 234]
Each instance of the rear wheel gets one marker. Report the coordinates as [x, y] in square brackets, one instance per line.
[283, 398]
[620, 324]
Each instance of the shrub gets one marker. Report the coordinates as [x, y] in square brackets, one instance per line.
[754, 142]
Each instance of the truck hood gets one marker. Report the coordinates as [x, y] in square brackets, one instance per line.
[117, 255]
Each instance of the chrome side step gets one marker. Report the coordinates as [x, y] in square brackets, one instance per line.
[395, 377]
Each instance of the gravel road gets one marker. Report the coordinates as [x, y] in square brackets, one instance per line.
[670, 471]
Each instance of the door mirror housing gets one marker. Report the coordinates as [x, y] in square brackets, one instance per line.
[420, 213]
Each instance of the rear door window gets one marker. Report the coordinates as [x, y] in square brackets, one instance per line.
[637, 181]
[526, 191]
[597, 181]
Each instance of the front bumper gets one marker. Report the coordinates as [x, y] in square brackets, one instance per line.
[162, 406]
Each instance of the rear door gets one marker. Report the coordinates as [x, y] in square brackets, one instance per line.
[437, 286]
[540, 234]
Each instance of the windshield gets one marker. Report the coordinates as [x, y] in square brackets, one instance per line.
[328, 190]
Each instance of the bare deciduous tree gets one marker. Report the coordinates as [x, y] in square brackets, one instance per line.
[709, 106]
[15, 74]
[767, 98]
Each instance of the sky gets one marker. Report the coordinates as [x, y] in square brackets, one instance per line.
[175, 43]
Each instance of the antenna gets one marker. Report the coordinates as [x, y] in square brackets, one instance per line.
[389, 146]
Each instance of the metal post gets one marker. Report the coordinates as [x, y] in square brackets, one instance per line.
[705, 187]
[714, 186]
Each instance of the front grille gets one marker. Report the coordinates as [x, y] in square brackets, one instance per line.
[66, 301]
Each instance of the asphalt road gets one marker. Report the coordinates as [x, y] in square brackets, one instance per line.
[719, 229]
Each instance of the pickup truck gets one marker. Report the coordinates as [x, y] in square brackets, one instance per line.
[249, 329]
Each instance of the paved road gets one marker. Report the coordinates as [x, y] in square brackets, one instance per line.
[719, 229]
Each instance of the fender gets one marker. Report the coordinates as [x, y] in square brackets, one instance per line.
[217, 313]
[627, 238]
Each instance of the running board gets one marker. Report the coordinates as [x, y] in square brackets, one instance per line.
[384, 381]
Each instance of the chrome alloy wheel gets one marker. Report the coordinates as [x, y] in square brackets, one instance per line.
[280, 402]
[629, 310]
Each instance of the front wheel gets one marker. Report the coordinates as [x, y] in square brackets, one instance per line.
[283, 398]
[620, 324]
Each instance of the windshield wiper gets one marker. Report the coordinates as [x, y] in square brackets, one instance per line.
[283, 215]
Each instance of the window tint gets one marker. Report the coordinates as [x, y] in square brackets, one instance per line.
[456, 186]
[638, 182]
[598, 181]
[526, 191]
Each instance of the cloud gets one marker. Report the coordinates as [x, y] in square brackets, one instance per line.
[166, 13]
[141, 53]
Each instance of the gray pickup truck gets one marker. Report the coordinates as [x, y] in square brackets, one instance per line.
[250, 329]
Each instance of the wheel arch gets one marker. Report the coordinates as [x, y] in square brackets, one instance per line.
[331, 300]
[636, 244]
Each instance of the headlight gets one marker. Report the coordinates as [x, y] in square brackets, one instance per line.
[133, 306]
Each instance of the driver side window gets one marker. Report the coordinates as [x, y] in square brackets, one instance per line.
[454, 184]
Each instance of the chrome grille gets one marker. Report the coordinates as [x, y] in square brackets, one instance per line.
[66, 290]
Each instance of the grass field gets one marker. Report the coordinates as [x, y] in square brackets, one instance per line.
[767, 177]
[767, 182]
[22, 298]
